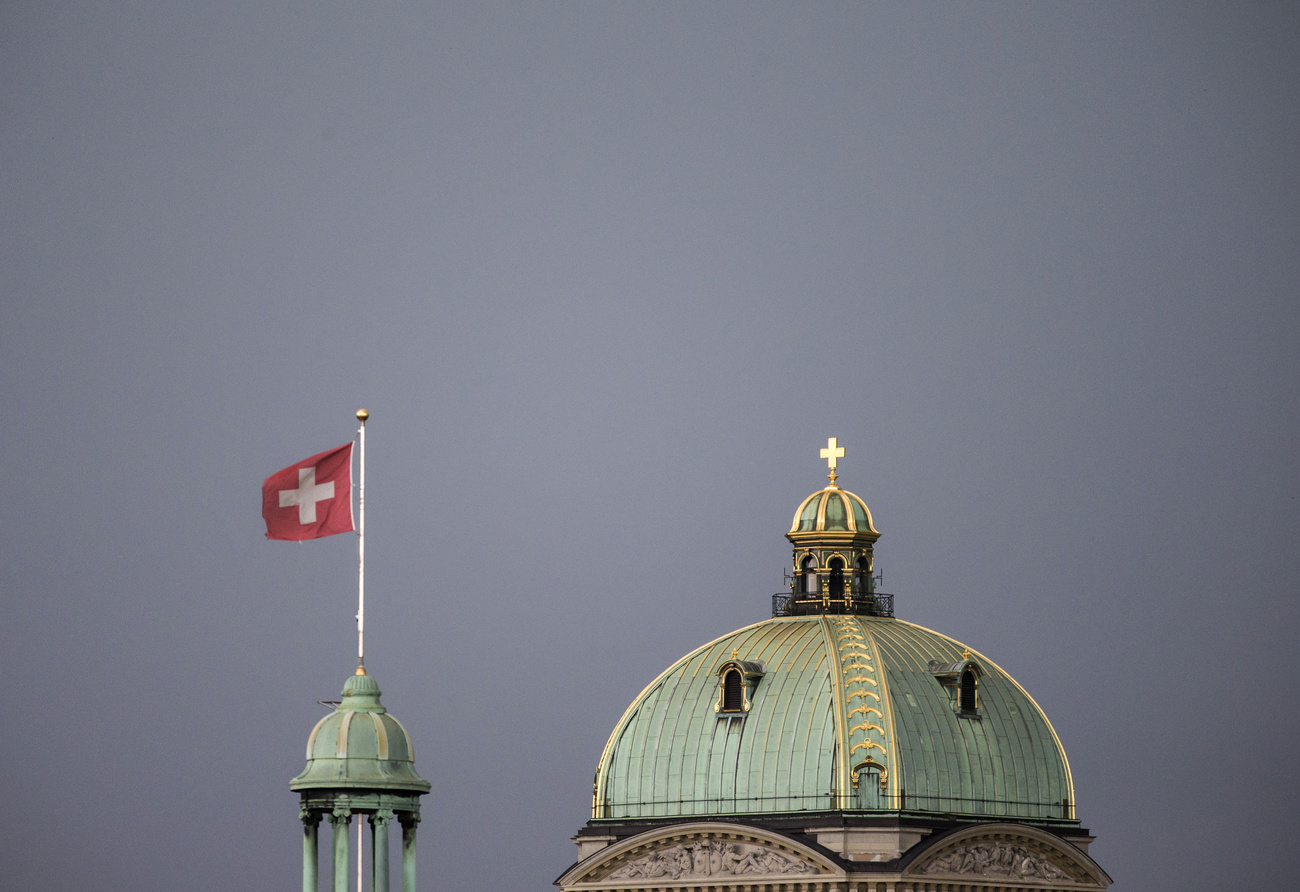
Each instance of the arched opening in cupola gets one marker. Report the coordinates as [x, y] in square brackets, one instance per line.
[837, 579]
[808, 567]
[862, 582]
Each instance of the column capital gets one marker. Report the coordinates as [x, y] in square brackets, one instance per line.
[309, 817]
[381, 816]
[341, 815]
[409, 818]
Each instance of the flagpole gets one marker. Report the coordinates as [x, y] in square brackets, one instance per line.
[362, 415]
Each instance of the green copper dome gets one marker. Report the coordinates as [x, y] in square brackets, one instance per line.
[360, 746]
[840, 713]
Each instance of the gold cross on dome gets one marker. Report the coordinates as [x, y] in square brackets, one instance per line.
[832, 451]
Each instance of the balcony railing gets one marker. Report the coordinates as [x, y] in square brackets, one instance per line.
[817, 603]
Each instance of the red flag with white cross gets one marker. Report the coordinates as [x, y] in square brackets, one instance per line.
[310, 499]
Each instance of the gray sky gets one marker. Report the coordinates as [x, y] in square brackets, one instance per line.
[606, 277]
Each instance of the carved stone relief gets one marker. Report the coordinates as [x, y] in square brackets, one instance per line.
[709, 858]
[995, 860]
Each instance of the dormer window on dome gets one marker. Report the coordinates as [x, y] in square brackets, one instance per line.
[737, 680]
[960, 680]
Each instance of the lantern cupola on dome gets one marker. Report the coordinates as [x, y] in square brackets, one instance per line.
[834, 560]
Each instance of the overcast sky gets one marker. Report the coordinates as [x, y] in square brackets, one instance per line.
[607, 276]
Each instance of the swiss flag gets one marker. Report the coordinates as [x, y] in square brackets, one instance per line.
[310, 499]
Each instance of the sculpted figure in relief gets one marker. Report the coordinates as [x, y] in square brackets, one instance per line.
[996, 860]
[711, 857]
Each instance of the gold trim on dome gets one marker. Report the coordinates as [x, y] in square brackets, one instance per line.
[866, 726]
[839, 702]
[798, 513]
[866, 745]
[863, 694]
[864, 710]
[869, 762]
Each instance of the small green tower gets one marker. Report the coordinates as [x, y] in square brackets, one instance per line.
[359, 761]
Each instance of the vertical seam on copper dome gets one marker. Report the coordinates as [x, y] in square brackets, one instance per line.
[382, 734]
[311, 740]
[410, 746]
[341, 751]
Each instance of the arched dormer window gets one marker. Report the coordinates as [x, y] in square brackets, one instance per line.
[737, 680]
[733, 692]
[968, 691]
[961, 680]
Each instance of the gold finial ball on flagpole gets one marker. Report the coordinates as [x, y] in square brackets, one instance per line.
[362, 415]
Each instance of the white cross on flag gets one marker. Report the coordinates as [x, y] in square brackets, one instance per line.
[310, 499]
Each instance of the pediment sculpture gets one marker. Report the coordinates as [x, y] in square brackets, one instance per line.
[710, 858]
[999, 860]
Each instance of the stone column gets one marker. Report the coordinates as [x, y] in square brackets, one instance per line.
[379, 850]
[310, 821]
[409, 820]
[340, 820]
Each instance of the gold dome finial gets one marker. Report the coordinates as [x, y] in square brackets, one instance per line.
[362, 415]
[832, 452]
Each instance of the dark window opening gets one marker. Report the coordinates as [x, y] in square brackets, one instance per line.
[732, 694]
[968, 691]
[837, 579]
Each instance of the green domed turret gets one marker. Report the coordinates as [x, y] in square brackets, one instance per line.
[359, 762]
[360, 746]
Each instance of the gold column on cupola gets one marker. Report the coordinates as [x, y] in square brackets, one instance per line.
[833, 557]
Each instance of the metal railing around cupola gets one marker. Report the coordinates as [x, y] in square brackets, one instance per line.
[854, 595]
[814, 604]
